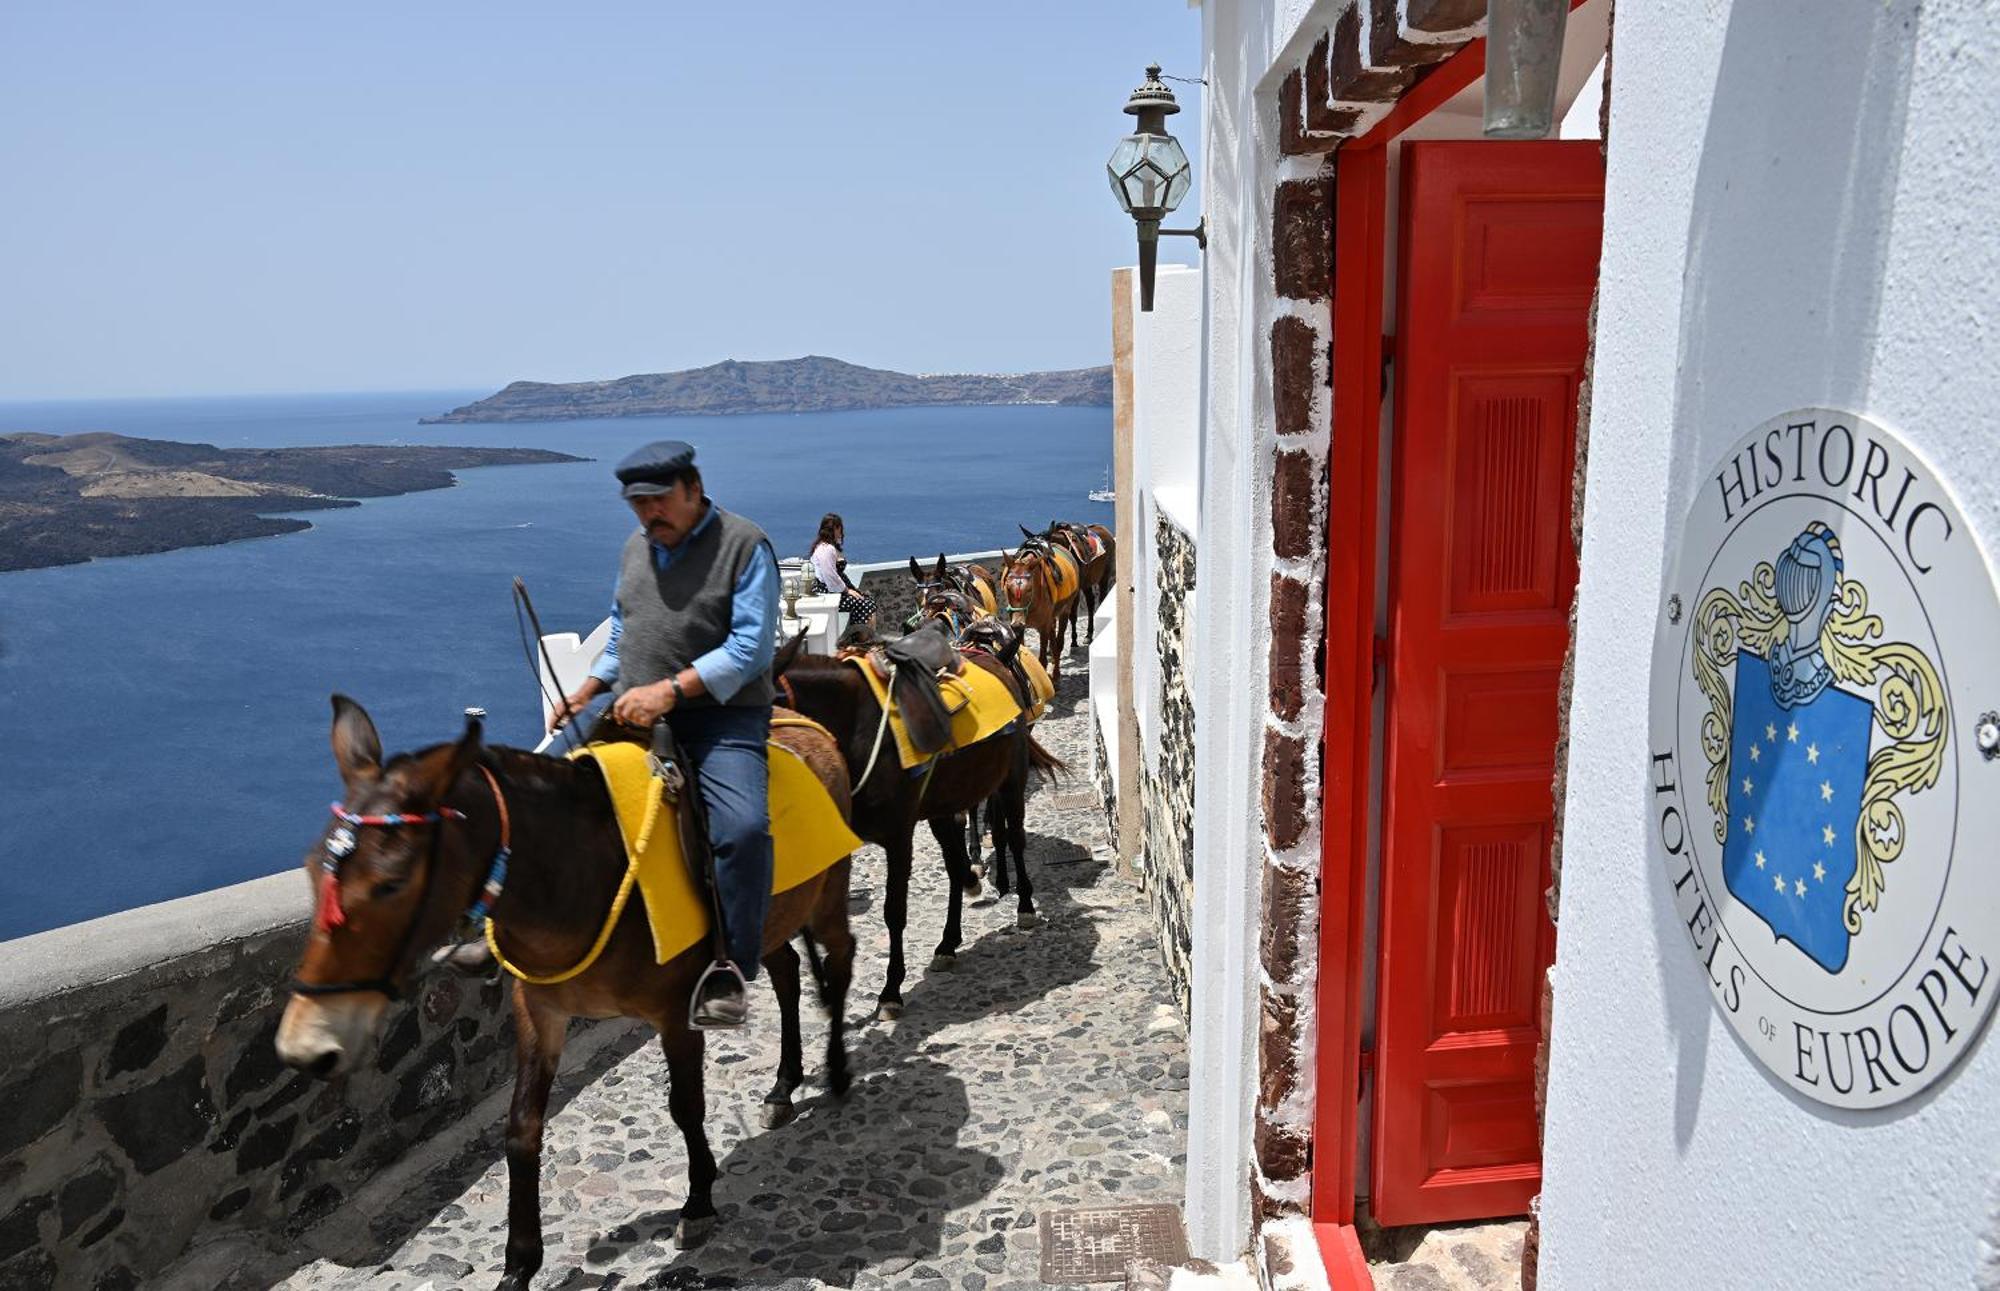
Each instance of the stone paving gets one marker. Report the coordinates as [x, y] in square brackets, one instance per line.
[1049, 1070]
[1465, 1257]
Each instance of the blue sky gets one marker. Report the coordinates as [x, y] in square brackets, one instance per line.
[246, 197]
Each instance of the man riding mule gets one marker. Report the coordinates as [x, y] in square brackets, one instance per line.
[692, 634]
[538, 845]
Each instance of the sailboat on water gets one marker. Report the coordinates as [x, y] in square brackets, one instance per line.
[1105, 493]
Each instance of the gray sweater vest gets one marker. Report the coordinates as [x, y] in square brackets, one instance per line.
[674, 616]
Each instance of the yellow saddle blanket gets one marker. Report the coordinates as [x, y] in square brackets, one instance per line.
[807, 836]
[980, 703]
[1065, 575]
[1040, 688]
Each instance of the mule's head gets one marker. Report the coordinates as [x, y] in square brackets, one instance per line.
[943, 602]
[1019, 583]
[382, 892]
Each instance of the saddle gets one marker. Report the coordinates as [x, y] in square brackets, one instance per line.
[1083, 542]
[995, 638]
[808, 833]
[912, 664]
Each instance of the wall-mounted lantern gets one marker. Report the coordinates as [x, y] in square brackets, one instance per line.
[1150, 176]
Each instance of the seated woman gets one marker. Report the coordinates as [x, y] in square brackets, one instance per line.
[830, 567]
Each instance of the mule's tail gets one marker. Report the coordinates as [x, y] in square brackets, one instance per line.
[1051, 766]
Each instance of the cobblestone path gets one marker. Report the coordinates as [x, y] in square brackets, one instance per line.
[1048, 1071]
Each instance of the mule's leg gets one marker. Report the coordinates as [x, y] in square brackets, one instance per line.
[538, 1046]
[1017, 843]
[996, 817]
[783, 966]
[895, 908]
[830, 928]
[974, 873]
[956, 868]
[688, 1103]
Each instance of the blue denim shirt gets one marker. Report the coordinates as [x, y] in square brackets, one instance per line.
[753, 632]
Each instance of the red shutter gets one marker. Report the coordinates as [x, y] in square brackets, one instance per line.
[1499, 256]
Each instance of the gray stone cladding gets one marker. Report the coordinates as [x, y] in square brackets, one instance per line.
[142, 1101]
[1100, 776]
[1166, 858]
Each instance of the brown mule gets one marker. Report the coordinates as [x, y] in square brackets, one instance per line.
[417, 849]
[1029, 598]
[972, 630]
[1096, 570]
[975, 582]
[889, 801]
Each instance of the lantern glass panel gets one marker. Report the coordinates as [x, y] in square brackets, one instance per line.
[1163, 152]
[1123, 158]
[1146, 189]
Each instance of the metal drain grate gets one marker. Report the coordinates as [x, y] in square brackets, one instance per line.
[1094, 1245]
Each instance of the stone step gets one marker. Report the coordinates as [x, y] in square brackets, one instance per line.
[1195, 1275]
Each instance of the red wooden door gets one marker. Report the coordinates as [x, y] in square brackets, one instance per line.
[1499, 256]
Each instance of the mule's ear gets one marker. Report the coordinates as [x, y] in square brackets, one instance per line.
[1024, 530]
[938, 574]
[446, 770]
[788, 654]
[357, 749]
[916, 575]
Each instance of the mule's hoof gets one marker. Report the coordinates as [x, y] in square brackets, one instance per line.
[840, 1081]
[693, 1230]
[1027, 919]
[943, 963]
[888, 1010]
[776, 1114]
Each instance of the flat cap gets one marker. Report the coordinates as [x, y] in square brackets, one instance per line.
[652, 469]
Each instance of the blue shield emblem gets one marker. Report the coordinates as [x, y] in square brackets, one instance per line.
[1794, 796]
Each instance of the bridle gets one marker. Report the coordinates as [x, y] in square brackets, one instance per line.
[341, 845]
[1036, 574]
[951, 604]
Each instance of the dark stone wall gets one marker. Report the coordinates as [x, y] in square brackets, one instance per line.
[140, 1111]
[1166, 859]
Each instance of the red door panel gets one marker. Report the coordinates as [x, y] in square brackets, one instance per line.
[1500, 245]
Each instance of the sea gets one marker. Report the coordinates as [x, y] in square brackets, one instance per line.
[166, 716]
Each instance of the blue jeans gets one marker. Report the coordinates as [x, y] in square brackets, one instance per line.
[727, 746]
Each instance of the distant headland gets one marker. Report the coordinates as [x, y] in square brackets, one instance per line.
[65, 499]
[810, 384]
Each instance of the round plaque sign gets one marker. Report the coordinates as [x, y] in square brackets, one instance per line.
[1823, 786]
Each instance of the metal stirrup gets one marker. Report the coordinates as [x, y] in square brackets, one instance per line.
[701, 990]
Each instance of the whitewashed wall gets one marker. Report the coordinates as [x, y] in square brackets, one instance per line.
[1802, 208]
[1166, 466]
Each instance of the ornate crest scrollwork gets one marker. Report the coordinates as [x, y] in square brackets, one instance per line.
[1910, 709]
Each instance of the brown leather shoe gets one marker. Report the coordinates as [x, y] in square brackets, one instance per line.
[721, 999]
[471, 958]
